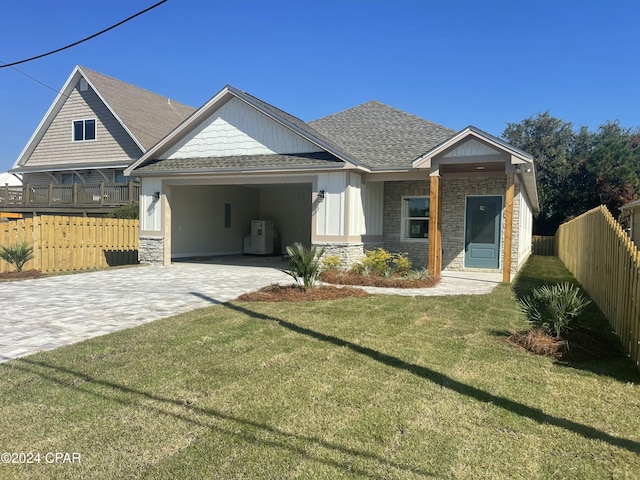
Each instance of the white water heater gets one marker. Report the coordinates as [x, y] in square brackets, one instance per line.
[260, 242]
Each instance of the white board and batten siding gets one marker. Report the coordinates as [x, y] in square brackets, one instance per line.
[471, 148]
[150, 209]
[356, 207]
[373, 207]
[330, 210]
[526, 227]
[239, 129]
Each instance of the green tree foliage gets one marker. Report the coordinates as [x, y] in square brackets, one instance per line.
[130, 210]
[17, 254]
[577, 170]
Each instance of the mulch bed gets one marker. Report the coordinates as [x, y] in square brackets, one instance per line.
[20, 275]
[338, 277]
[294, 293]
[578, 344]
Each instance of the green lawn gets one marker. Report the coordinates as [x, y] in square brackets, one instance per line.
[380, 387]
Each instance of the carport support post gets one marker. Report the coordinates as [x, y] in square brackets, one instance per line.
[435, 226]
[508, 229]
[166, 225]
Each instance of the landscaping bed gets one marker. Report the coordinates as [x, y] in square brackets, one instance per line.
[294, 293]
[24, 274]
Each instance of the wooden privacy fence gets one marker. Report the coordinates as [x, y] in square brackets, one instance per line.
[62, 244]
[602, 257]
[543, 245]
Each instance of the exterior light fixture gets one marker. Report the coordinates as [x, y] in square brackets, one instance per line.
[321, 195]
[156, 196]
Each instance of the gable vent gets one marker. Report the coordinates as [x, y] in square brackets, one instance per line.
[84, 86]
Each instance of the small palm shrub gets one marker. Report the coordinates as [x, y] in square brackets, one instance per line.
[331, 263]
[17, 254]
[555, 308]
[305, 264]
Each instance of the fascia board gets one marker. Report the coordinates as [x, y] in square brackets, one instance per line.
[424, 161]
[232, 171]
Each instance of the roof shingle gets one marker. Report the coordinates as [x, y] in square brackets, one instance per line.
[381, 136]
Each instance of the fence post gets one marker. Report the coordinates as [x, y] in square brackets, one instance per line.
[102, 193]
[130, 192]
[75, 193]
[27, 189]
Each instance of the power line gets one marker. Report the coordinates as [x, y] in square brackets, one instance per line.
[84, 39]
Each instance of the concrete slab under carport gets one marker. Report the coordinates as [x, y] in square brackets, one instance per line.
[199, 227]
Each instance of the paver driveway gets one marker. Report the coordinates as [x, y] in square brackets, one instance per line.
[45, 313]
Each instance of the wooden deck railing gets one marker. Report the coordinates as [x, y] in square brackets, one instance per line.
[75, 195]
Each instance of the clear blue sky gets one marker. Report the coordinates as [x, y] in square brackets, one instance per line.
[485, 63]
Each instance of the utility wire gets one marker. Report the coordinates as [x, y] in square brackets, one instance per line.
[84, 39]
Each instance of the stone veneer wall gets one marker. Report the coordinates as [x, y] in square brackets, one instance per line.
[349, 253]
[151, 250]
[418, 251]
[454, 194]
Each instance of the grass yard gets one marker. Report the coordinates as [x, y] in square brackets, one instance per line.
[380, 387]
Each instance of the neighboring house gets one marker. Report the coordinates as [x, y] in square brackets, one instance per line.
[371, 176]
[9, 179]
[95, 128]
[633, 210]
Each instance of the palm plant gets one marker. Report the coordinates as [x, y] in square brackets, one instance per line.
[554, 307]
[305, 264]
[17, 254]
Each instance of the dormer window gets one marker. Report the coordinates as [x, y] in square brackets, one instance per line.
[84, 130]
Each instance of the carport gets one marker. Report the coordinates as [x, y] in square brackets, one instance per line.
[214, 219]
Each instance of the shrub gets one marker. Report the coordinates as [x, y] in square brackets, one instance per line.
[378, 260]
[305, 264]
[401, 263]
[331, 263]
[17, 254]
[555, 308]
[130, 210]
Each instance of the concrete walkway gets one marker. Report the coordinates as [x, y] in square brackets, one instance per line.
[46, 313]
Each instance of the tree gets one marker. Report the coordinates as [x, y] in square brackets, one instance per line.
[577, 171]
[614, 164]
[551, 141]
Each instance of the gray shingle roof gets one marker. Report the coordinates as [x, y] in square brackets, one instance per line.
[147, 115]
[243, 162]
[381, 136]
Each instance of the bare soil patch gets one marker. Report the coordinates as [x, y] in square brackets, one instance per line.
[337, 277]
[294, 293]
[20, 275]
[579, 344]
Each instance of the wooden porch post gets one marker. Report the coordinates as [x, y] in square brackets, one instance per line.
[508, 229]
[435, 226]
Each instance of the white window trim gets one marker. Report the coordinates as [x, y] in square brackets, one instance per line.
[95, 122]
[403, 218]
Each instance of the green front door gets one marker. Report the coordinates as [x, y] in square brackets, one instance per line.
[482, 232]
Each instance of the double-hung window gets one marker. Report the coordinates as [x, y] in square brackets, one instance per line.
[415, 218]
[84, 130]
